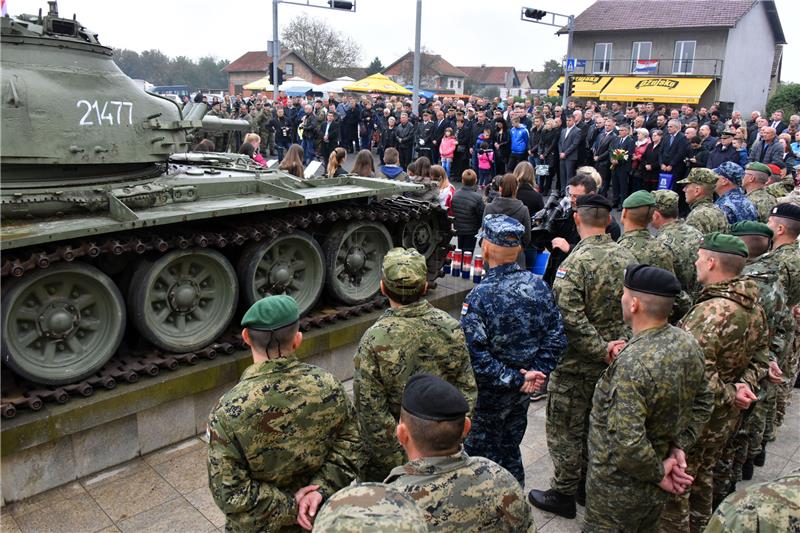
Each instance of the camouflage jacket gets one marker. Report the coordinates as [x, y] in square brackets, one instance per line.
[511, 322]
[370, 508]
[771, 507]
[764, 203]
[789, 256]
[285, 425]
[652, 397]
[647, 249]
[781, 188]
[736, 206]
[765, 271]
[729, 325]
[404, 341]
[707, 217]
[588, 289]
[683, 241]
[261, 120]
[459, 493]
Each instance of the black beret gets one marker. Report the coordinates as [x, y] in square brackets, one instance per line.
[787, 210]
[432, 398]
[593, 200]
[652, 280]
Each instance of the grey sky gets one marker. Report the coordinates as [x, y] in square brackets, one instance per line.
[465, 32]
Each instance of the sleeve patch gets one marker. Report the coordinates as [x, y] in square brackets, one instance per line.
[560, 273]
[464, 309]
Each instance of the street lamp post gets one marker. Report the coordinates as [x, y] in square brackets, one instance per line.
[415, 97]
[536, 16]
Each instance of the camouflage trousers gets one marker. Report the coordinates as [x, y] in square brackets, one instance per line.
[611, 508]
[783, 399]
[498, 425]
[692, 510]
[569, 402]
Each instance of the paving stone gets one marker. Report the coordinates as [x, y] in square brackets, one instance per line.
[115, 473]
[80, 513]
[168, 517]
[7, 522]
[202, 500]
[105, 445]
[176, 450]
[186, 472]
[166, 424]
[129, 496]
[45, 499]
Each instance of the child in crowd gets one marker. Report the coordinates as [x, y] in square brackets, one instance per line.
[485, 162]
[446, 150]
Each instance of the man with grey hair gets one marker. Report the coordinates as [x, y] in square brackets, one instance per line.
[674, 151]
[767, 150]
[307, 131]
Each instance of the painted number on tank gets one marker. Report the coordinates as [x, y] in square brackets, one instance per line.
[106, 113]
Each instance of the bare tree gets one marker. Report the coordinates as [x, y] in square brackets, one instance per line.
[322, 46]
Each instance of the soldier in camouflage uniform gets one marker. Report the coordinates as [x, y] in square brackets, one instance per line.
[729, 325]
[262, 116]
[411, 337]
[285, 437]
[652, 397]
[515, 338]
[456, 493]
[754, 183]
[370, 508]
[586, 285]
[732, 201]
[771, 507]
[220, 138]
[637, 212]
[682, 239]
[699, 190]
[781, 181]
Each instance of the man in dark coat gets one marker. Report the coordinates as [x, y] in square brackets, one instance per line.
[568, 142]
[621, 169]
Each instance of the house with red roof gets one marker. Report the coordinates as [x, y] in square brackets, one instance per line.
[436, 73]
[253, 66]
[486, 76]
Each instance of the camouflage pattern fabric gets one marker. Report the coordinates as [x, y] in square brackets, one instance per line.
[588, 288]
[654, 394]
[763, 202]
[736, 206]
[646, 249]
[458, 493]
[781, 188]
[707, 217]
[408, 340]
[683, 240]
[729, 325]
[285, 425]
[771, 507]
[789, 257]
[370, 508]
[511, 322]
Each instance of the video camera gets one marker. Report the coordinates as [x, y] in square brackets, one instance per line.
[544, 221]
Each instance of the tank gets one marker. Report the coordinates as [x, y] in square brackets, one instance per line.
[115, 237]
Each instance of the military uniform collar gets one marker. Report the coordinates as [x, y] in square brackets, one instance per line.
[595, 239]
[504, 269]
[427, 466]
[420, 307]
[636, 233]
[270, 366]
[648, 332]
[669, 224]
[702, 201]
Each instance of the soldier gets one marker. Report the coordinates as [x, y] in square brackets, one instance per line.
[637, 212]
[652, 395]
[699, 190]
[781, 182]
[754, 183]
[219, 137]
[682, 239]
[732, 201]
[729, 325]
[370, 508]
[285, 437]
[515, 337]
[455, 492]
[773, 506]
[586, 283]
[411, 337]
[262, 116]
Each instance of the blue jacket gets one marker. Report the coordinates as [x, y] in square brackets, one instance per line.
[737, 207]
[519, 140]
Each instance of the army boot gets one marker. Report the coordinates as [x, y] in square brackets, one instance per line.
[580, 494]
[761, 458]
[553, 502]
[747, 469]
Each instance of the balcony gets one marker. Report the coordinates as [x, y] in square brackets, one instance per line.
[663, 67]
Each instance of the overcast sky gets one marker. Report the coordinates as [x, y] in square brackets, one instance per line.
[465, 32]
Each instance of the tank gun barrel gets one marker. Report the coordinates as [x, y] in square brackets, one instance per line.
[224, 124]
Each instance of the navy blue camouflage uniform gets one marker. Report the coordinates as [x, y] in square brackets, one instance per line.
[737, 207]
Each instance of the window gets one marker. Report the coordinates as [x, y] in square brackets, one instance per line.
[640, 50]
[684, 57]
[451, 84]
[602, 58]
[288, 69]
[459, 84]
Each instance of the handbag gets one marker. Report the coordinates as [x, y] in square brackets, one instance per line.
[542, 170]
[664, 181]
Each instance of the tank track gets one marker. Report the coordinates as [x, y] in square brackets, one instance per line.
[127, 366]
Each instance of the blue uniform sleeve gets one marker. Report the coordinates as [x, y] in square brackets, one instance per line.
[554, 339]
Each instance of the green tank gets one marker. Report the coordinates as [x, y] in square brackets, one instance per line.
[115, 234]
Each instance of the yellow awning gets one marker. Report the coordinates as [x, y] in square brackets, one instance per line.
[666, 90]
[377, 83]
[262, 84]
[584, 86]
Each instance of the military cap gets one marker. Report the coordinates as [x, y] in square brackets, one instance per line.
[724, 244]
[665, 199]
[431, 398]
[271, 313]
[502, 230]
[774, 169]
[370, 507]
[787, 210]
[404, 271]
[759, 167]
[593, 200]
[728, 133]
[703, 176]
[639, 199]
[652, 280]
[730, 171]
[750, 227]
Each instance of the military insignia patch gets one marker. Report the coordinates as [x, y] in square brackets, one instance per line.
[560, 273]
[464, 309]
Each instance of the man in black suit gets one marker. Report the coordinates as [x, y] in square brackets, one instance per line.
[568, 142]
[440, 125]
[650, 116]
[674, 151]
[621, 170]
[601, 149]
[329, 136]
[777, 122]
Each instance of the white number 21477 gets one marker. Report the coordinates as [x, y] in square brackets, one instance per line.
[106, 113]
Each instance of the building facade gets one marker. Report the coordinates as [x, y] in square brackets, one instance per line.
[436, 73]
[253, 66]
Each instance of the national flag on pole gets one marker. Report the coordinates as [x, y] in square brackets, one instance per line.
[646, 66]
[4, 8]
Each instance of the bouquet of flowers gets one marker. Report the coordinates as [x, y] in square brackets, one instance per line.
[618, 155]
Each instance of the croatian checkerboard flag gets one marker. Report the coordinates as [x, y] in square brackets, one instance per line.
[646, 66]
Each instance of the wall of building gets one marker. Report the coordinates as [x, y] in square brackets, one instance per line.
[748, 62]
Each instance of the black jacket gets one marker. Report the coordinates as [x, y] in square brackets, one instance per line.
[282, 128]
[532, 199]
[675, 154]
[405, 134]
[467, 210]
[504, 140]
[333, 132]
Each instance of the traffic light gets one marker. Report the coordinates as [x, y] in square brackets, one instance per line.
[571, 88]
[270, 75]
[341, 4]
[536, 14]
[560, 89]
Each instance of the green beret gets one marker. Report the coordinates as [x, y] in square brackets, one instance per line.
[750, 227]
[665, 199]
[703, 176]
[271, 313]
[724, 244]
[759, 167]
[639, 199]
[404, 271]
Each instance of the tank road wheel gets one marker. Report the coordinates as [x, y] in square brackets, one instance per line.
[184, 300]
[353, 255]
[422, 234]
[61, 324]
[288, 264]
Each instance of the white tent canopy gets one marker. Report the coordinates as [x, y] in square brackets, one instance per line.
[336, 86]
